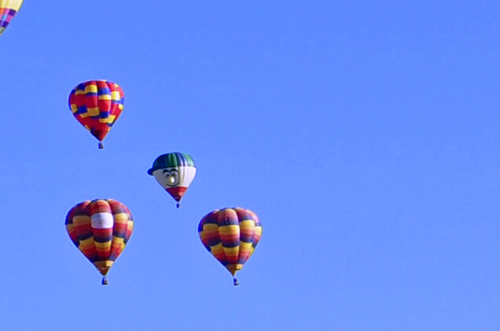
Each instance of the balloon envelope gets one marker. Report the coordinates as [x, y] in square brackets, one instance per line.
[97, 104]
[231, 235]
[100, 229]
[174, 172]
[8, 9]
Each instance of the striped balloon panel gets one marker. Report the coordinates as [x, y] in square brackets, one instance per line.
[8, 9]
[122, 229]
[186, 175]
[230, 235]
[208, 230]
[258, 228]
[175, 159]
[100, 229]
[97, 105]
[179, 160]
[172, 160]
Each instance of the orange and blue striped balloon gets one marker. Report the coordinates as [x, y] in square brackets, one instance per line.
[97, 104]
[100, 229]
[231, 235]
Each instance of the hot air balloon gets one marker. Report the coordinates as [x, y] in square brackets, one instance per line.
[174, 172]
[8, 9]
[100, 229]
[230, 235]
[97, 104]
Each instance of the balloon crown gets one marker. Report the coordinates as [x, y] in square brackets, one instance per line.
[171, 160]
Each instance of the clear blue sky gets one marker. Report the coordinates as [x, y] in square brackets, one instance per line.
[366, 136]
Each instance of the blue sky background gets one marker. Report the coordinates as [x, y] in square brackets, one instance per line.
[366, 136]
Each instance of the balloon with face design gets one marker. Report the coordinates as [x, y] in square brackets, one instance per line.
[174, 172]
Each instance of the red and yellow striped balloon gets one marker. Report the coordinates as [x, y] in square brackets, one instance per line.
[100, 229]
[97, 104]
[231, 235]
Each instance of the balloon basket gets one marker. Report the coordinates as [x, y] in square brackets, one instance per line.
[104, 281]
